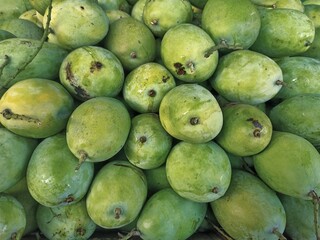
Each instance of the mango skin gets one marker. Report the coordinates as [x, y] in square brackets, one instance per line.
[199, 172]
[116, 195]
[46, 63]
[300, 76]
[246, 200]
[12, 217]
[298, 115]
[98, 128]
[65, 222]
[148, 144]
[283, 32]
[16, 152]
[248, 77]
[189, 112]
[43, 105]
[167, 216]
[238, 27]
[56, 185]
[76, 23]
[156, 179]
[246, 130]
[13, 9]
[290, 165]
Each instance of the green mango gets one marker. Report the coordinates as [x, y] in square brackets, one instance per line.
[168, 216]
[247, 77]
[312, 11]
[246, 130]
[45, 111]
[148, 144]
[299, 215]
[65, 222]
[145, 86]
[249, 209]
[12, 218]
[114, 14]
[98, 128]
[57, 185]
[91, 71]
[137, 10]
[300, 76]
[190, 112]
[76, 23]
[159, 17]
[198, 172]
[283, 32]
[314, 49]
[156, 179]
[298, 115]
[15, 155]
[134, 48]
[20, 60]
[21, 193]
[40, 5]
[290, 165]
[12, 9]
[192, 61]
[117, 194]
[235, 23]
[289, 4]
[22, 28]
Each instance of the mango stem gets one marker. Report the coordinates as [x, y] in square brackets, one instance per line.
[276, 232]
[315, 201]
[133, 233]
[222, 45]
[219, 231]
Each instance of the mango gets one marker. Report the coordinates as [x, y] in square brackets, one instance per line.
[290, 165]
[97, 129]
[247, 199]
[117, 194]
[12, 9]
[56, 185]
[199, 172]
[148, 144]
[190, 112]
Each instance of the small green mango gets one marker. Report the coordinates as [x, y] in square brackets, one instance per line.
[148, 144]
[121, 5]
[247, 200]
[156, 179]
[289, 4]
[248, 77]
[98, 128]
[62, 181]
[137, 10]
[190, 112]
[114, 15]
[283, 32]
[134, 48]
[300, 76]
[246, 130]
[232, 22]
[15, 154]
[65, 222]
[117, 194]
[168, 216]
[290, 165]
[198, 172]
[19, 62]
[36, 108]
[186, 52]
[12, 218]
[145, 86]
[159, 17]
[298, 115]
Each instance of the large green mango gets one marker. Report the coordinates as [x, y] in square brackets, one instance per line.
[19, 60]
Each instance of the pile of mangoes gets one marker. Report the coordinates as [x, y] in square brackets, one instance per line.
[159, 119]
